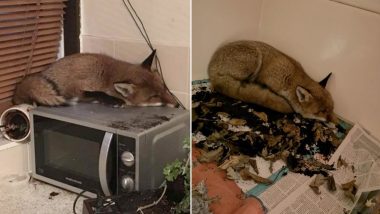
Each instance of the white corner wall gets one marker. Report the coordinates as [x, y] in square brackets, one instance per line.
[218, 21]
[326, 36]
[108, 28]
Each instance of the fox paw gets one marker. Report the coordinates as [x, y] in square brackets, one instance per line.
[119, 106]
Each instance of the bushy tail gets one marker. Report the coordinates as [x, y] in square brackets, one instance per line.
[37, 90]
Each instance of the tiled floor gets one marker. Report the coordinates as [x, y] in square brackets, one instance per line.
[18, 195]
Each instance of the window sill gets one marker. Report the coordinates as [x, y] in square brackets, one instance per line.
[7, 144]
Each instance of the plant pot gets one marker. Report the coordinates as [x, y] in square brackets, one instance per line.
[176, 189]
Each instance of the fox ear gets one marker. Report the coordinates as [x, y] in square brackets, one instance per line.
[303, 95]
[323, 82]
[149, 60]
[124, 89]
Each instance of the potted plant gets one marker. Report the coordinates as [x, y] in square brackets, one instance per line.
[176, 188]
[177, 176]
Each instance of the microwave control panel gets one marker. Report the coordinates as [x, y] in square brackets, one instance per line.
[126, 164]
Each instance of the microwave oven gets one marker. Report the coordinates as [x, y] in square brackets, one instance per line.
[105, 150]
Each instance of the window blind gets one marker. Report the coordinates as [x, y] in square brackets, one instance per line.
[30, 32]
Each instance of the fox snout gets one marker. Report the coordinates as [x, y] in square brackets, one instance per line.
[170, 100]
[144, 95]
[172, 104]
[164, 99]
[176, 105]
[333, 118]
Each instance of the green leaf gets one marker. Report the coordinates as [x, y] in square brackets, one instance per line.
[172, 170]
[186, 144]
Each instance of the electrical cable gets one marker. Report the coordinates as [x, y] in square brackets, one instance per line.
[140, 21]
[140, 209]
[76, 200]
[141, 27]
[146, 38]
[101, 203]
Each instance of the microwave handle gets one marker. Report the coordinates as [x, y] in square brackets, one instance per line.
[104, 151]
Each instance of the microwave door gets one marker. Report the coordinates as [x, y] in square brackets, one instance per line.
[103, 160]
[68, 155]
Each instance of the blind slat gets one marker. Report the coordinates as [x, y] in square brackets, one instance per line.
[20, 2]
[22, 67]
[23, 15]
[21, 73]
[23, 35]
[18, 49]
[25, 54]
[26, 41]
[23, 22]
[7, 91]
[7, 87]
[12, 30]
[19, 77]
[10, 82]
[23, 61]
[5, 104]
[7, 94]
[24, 8]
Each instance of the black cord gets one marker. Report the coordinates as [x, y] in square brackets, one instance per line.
[146, 38]
[158, 65]
[140, 25]
[76, 199]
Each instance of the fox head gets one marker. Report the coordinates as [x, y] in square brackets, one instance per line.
[315, 102]
[145, 88]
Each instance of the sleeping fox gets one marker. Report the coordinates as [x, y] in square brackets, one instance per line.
[74, 77]
[256, 72]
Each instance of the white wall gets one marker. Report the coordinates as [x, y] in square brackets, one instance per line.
[13, 158]
[219, 21]
[325, 36]
[107, 28]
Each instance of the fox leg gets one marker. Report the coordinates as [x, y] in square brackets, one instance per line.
[99, 96]
[253, 93]
[264, 97]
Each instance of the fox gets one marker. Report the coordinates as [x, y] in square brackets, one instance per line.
[255, 72]
[81, 77]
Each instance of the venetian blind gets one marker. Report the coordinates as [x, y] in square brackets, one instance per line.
[30, 32]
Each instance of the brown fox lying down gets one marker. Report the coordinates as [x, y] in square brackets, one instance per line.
[256, 72]
[74, 77]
